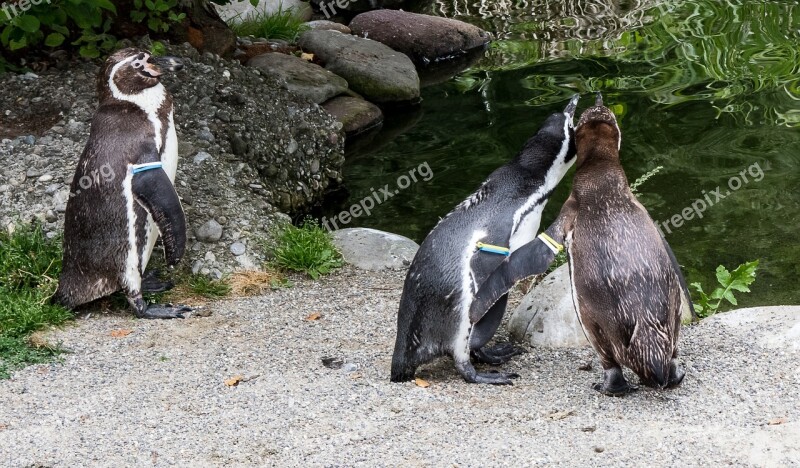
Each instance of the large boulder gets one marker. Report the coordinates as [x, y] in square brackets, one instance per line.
[768, 327]
[546, 315]
[356, 115]
[300, 76]
[370, 249]
[423, 38]
[372, 69]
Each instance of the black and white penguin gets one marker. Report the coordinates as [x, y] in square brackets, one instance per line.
[627, 288]
[466, 245]
[122, 195]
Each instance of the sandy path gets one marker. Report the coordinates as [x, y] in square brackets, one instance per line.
[157, 396]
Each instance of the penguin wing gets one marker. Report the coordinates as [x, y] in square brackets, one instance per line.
[679, 274]
[531, 259]
[154, 191]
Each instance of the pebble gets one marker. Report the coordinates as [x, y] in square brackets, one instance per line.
[196, 266]
[211, 231]
[237, 248]
[210, 257]
[200, 157]
[45, 178]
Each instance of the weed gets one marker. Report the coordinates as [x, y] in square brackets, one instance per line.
[644, 177]
[736, 280]
[29, 267]
[308, 249]
[281, 24]
[204, 286]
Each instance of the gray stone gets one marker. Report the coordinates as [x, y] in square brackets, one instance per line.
[324, 25]
[423, 38]
[546, 316]
[45, 178]
[196, 266]
[370, 249]
[200, 157]
[301, 76]
[211, 231]
[237, 248]
[356, 115]
[774, 328]
[372, 69]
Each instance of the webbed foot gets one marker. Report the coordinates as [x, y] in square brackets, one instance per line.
[152, 283]
[470, 375]
[164, 311]
[498, 354]
[614, 383]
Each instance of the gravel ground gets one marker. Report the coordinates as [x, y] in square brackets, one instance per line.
[158, 395]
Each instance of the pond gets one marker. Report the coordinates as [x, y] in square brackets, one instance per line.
[705, 88]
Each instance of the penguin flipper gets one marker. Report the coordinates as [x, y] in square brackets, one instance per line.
[531, 259]
[154, 191]
[681, 279]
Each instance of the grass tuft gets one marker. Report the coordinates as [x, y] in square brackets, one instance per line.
[202, 285]
[29, 268]
[281, 24]
[308, 248]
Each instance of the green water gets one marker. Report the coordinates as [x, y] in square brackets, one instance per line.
[705, 89]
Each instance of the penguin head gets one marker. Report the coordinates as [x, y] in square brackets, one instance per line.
[130, 71]
[554, 143]
[600, 123]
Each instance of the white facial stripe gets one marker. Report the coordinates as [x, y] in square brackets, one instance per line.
[149, 100]
[528, 216]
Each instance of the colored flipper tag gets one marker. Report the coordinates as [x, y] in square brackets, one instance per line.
[493, 249]
[550, 243]
[137, 168]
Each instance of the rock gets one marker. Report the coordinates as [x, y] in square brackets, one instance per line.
[200, 157]
[423, 38]
[546, 315]
[211, 231]
[45, 178]
[237, 248]
[324, 25]
[301, 77]
[356, 115]
[370, 249]
[372, 69]
[235, 12]
[331, 8]
[776, 328]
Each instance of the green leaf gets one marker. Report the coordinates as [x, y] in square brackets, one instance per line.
[254, 3]
[60, 29]
[18, 44]
[89, 51]
[106, 5]
[137, 4]
[138, 16]
[28, 23]
[723, 276]
[154, 24]
[54, 40]
[728, 295]
[150, 5]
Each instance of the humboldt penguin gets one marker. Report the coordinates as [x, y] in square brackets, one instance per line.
[465, 246]
[627, 288]
[122, 194]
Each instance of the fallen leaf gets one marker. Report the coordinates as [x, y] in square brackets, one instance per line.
[587, 366]
[120, 333]
[234, 381]
[355, 375]
[589, 428]
[308, 57]
[314, 316]
[3, 427]
[777, 421]
[559, 415]
[421, 383]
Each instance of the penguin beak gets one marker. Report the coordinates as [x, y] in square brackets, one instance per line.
[573, 104]
[172, 64]
[599, 99]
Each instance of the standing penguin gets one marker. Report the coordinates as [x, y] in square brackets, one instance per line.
[461, 251]
[122, 195]
[627, 288]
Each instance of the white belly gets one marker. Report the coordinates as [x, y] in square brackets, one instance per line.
[169, 161]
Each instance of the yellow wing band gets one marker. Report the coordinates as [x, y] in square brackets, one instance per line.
[551, 243]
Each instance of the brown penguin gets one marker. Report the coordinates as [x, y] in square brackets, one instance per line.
[627, 288]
